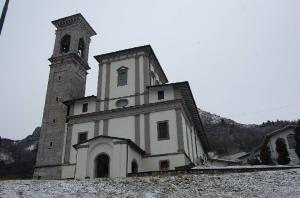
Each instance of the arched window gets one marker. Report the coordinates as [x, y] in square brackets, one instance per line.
[65, 43]
[81, 47]
[134, 167]
[122, 76]
[291, 141]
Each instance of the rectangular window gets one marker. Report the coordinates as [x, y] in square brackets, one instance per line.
[82, 137]
[160, 95]
[122, 76]
[50, 145]
[163, 130]
[164, 165]
[85, 107]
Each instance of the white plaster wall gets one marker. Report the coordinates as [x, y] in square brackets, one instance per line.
[101, 127]
[77, 128]
[101, 106]
[190, 154]
[78, 106]
[142, 131]
[81, 169]
[112, 103]
[68, 172]
[185, 142]
[193, 145]
[119, 160]
[201, 152]
[152, 163]
[141, 61]
[163, 146]
[169, 93]
[103, 81]
[121, 127]
[272, 144]
[133, 155]
[120, 91]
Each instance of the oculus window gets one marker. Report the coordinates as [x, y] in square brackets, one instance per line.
[122, 103]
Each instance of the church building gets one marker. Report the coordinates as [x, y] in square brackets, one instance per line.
[137, 122]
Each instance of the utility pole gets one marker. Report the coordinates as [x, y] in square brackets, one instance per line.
[3, 15]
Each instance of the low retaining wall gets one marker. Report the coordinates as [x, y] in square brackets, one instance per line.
[216, 170]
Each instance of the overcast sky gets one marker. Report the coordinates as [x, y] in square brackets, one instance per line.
[241, 57]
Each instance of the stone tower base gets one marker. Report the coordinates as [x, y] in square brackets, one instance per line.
[49, 172]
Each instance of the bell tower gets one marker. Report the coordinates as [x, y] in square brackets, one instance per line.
[67, 80]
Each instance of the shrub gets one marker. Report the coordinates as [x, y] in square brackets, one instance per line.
[283, 155]
[265, 155]
[253, 161]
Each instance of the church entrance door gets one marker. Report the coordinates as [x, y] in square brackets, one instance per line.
[102, 166]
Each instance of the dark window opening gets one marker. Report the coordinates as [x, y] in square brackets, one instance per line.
[122, 76]
[85, 107]
[134, 167]
[82, 137]
[50, 145]
[164, 165]
[54, 121]
[160, 95]
[65, 43]
[59, 78]
[163, 130]
[81, 47]
[68, 110]
[57, 99]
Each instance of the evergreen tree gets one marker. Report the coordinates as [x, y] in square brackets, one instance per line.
[283, 155]
[265, 155]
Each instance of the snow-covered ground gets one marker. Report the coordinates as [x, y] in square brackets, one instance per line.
[284, 183]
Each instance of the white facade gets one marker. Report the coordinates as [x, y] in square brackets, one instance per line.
[290, 144]
[136, 123]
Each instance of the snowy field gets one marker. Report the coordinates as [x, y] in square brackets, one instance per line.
[284, 183]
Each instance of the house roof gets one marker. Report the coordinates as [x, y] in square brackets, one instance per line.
[235, 156]
[128, 141]
[190, 103]
[67, 102]
[132, 50]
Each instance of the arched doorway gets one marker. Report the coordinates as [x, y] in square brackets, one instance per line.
[134, 167]
[102, 166]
